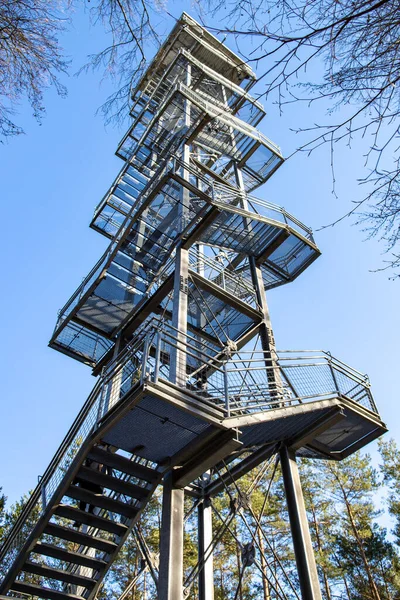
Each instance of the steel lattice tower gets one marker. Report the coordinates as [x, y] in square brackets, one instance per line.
[191, 391]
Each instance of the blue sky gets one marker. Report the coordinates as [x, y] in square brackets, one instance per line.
[51, 180]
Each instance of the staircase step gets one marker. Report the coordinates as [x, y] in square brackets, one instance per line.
[112, 483]
[121, 463]
[42, 592]
[68, 556]
[59, 574]
[115, 506]
[81, 516]
[84, 539]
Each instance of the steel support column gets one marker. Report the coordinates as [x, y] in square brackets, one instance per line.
[170, 582]
[266, 333]
[205, 540]
[305, 559]
[180, 297]
[179, 317]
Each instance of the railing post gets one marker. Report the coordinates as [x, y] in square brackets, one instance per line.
[43, 494]
[333, 374]
[226, 390]
[146, 348]
[101, 402]
[158, 357]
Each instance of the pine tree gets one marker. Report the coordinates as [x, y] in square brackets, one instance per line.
[390, 469]
[359, 559]
[3, 501]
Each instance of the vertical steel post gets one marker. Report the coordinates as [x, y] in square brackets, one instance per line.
[180, 296]
[158, 357]
[226, 390]
[266, 333]
[170, 582]
[179, 318]
[205, 539]
[304, 552]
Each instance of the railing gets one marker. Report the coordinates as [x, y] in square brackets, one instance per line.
[214, 269]
[227, 194]
[246, 382]
[120, 377]
[235, 382]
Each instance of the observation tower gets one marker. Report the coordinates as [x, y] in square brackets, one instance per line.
[191, 392]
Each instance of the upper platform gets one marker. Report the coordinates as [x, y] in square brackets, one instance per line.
[170, 211]
[192, 155]
[189, 35]
[219, 137]
[206, 82]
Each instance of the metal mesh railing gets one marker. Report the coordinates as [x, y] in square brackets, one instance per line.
[235, 382]
[244, 382]
[227, 194]
[120, 377]
[50, 481]
[214, 269]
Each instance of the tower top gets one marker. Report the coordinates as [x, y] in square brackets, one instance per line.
[188, 34]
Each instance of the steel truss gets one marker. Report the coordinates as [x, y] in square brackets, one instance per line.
[192, 393]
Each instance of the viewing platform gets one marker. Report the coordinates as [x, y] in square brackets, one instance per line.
[135, 266]
[219, 408]
[221, 136]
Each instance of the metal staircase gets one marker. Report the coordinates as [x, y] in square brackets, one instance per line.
[69, 550]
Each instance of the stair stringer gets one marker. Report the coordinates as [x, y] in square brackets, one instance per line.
[92, 439]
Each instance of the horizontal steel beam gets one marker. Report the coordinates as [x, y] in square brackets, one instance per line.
[223, 445]
[221, 294]
[240, 469]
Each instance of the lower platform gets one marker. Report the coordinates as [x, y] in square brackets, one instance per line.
[172, 427]
[139, 426]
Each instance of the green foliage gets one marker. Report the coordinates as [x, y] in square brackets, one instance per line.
[3, 501]
[356, 558]
[390, 468]
[31, 58]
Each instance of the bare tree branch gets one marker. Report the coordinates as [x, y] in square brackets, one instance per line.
[358, 44]
[31, 58]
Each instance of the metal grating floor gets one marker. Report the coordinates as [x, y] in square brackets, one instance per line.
[155, 429]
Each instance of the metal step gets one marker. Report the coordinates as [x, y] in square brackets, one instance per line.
[68, 556]
[59, 574]
[42, 592]
[83, 539]
[112, 483]
[81, 516]
[123, 464]
[115, 506]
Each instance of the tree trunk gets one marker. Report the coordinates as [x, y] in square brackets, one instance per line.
[238, 562]
[374, 589]
[267, 595]
[320, 549]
